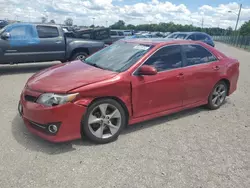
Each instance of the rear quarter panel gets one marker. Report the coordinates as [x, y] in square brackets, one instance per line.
[233, 74]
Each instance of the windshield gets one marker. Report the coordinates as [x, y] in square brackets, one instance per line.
[181, 36]
[119, 56]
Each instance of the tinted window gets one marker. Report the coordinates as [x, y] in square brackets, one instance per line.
[196, 54]
[173, 35]
[200, 37]
[113, 33]
[181, 36]
[120, 33]
[191, 37]
[166, 58]
[47, 31]
[102, 34]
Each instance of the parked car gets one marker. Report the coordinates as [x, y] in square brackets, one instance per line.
[196, 36]
[116, 35]
[22, 42]
[3, 23]
[125, 83]
[98, 34]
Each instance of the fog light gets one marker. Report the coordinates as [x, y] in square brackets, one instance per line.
[52, 129]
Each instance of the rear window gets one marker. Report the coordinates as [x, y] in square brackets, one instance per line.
[47, 31]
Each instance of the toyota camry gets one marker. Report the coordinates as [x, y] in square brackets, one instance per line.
[131, 81]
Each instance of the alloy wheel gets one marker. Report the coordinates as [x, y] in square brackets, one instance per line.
[219, 95]
[104, 121]
[81, 57]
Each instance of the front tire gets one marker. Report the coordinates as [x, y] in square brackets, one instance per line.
[104, 121]
[217, 96]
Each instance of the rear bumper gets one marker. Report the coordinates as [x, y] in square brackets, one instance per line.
[37, 118]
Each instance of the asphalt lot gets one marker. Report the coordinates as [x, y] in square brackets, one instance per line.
[195, 148]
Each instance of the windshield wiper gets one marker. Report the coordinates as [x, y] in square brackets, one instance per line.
[95, 65]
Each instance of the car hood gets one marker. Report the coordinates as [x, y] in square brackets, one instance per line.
[65, 77]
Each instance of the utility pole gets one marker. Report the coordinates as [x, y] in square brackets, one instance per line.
[93, 21]
[106, 23]
[237, 33]
[238, 18]
[202, 22]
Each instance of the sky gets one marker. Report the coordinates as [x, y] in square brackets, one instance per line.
[106, 12]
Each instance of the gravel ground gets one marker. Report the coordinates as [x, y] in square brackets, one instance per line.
[195, 148]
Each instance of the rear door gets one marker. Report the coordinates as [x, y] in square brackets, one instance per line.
[201, 72]
[52, 43]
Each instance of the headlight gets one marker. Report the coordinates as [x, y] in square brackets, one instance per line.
[51, 99]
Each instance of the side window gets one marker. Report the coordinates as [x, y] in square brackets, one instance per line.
[200, 37]
[102, 34]
[166, 58]
[113, 33]
[191, 37]
[120, 33]
[24, 32]
[196, 54]
[18, 33]
[47, 31]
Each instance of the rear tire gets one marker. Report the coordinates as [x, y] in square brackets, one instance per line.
[79, 56]
[104, 121]
[217, 96]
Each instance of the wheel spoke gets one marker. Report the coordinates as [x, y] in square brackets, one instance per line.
[214, 101]
[215, 93]
[99, 132]
[113, 129]
[103, 108]
[221, 88]
[115, 114]
[222, 92]
[93, 119]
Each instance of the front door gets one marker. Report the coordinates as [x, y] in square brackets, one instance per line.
[201, 71]
[163, 91]
[20, 47]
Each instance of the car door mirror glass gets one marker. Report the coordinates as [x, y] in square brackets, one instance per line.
[5, 35]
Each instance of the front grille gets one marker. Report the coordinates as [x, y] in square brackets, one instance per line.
[30, 98]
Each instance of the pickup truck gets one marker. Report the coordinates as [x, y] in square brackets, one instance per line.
[21, 42]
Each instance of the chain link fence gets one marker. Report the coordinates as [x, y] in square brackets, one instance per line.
[238, 41]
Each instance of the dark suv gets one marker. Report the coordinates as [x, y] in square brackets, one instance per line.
[197, 36]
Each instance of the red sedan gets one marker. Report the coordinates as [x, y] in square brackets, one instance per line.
[128, 82]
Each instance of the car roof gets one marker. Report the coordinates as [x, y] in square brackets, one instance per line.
[159, 41]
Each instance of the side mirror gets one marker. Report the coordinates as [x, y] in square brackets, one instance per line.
[5, 35]
[147, 70]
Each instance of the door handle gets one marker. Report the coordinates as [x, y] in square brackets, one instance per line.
[58, 42]
[180, 75]
[216, 67]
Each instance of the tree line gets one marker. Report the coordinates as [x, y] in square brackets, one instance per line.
[172, 27]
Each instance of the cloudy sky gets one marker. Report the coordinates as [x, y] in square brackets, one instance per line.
[214, 12]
